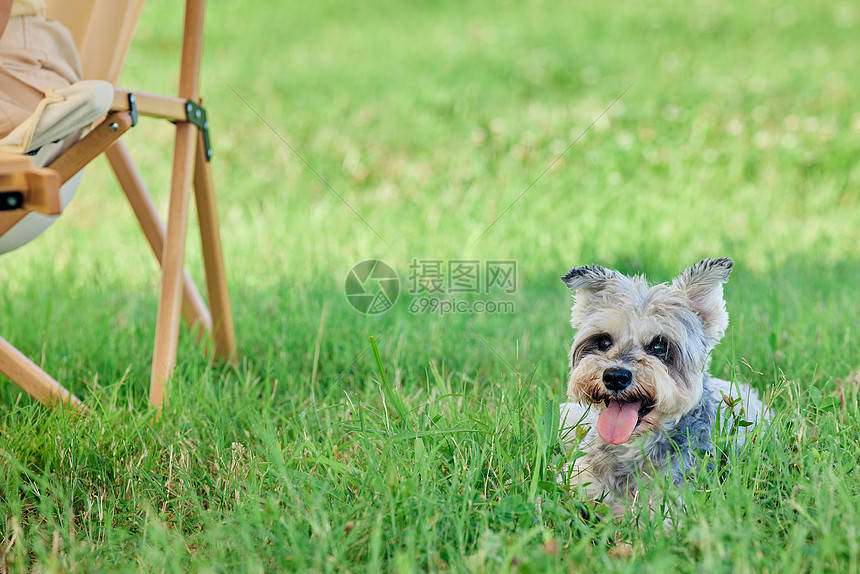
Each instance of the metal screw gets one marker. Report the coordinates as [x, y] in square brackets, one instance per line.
[113, 126]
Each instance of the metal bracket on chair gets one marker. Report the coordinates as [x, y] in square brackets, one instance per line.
[196, 114]
[132, 109]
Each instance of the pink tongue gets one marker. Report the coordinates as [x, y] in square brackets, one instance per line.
[617, 421]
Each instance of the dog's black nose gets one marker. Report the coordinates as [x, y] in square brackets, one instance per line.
[617, 379]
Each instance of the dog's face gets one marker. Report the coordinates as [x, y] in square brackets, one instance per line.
[640, 351]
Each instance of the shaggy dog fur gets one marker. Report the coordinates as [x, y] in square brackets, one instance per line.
[638, 378]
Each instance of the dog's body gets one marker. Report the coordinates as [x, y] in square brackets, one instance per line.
[639, 381]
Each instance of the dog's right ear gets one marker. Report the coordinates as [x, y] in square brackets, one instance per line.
[590, 277]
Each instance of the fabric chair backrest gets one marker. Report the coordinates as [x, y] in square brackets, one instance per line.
[103, 31]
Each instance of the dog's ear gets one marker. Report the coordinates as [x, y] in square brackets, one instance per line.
[590, 277]
[587, 282]
[702, 284]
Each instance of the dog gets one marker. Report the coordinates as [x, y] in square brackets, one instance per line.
[639, 383]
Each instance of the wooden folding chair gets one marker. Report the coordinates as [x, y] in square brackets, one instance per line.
[103, 31]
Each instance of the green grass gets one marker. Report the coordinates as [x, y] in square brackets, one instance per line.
[739, 136]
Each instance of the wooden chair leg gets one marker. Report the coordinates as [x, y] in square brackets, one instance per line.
[36, 382]
[173, 264]
[194, 310]
[224, 335]
[167, 327]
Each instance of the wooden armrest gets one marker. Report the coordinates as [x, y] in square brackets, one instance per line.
[153, 105]
[38, 186]
[13, 163]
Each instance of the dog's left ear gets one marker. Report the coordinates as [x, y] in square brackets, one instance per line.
[703, 286]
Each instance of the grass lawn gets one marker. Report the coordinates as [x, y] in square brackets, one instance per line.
[639, 136]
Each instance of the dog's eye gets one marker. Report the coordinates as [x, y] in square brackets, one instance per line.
[604, 342]
[659, 347]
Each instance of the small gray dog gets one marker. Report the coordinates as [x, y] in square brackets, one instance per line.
[639, 381]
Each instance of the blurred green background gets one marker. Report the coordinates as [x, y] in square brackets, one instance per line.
[737, 135]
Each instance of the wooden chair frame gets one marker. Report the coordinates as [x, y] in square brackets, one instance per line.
[191, 168]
